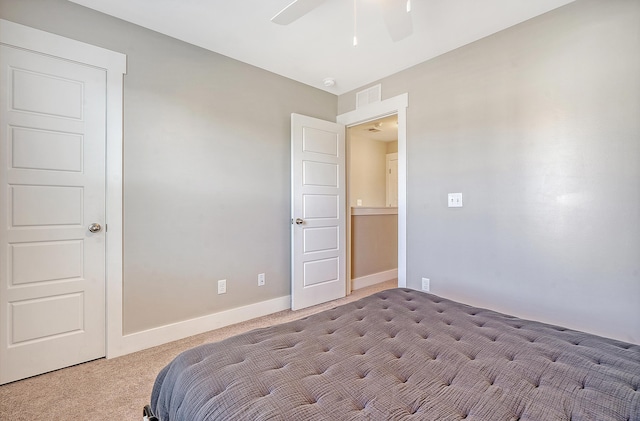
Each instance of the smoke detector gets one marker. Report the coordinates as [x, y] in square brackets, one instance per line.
[329, 82]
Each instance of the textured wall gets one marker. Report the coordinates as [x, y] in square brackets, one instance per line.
[538, 126]
[206, 167]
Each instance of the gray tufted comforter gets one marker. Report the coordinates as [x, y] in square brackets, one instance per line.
[404, 354]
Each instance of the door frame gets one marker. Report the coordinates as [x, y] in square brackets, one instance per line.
[395, 105]
[115, 65]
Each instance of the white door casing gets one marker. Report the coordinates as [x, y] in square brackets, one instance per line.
[318, 223]
[392, 180]
[395, 105]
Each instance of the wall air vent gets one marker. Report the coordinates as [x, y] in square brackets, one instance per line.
[369, 96]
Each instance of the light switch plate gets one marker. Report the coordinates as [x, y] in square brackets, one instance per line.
[455, 200]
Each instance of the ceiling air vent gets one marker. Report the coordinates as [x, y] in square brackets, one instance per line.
[369, 96]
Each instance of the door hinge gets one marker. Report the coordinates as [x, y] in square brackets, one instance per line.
[106, 227]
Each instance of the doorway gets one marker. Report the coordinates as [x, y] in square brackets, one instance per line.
[395, 105]
[372, 151]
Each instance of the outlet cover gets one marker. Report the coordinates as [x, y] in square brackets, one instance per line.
[222, 286]
[261, 279]
[425, 284]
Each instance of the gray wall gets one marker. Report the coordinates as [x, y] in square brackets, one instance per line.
[206, 167]
[539, 127]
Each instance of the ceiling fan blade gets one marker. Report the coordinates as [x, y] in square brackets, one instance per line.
[397, 19]
[295, 10]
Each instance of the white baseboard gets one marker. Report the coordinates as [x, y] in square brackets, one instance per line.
[160, 335]
[375, 278]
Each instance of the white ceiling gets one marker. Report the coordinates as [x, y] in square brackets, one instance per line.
[319, 44]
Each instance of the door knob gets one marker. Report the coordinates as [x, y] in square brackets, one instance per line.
[299, 221]
[95, 227]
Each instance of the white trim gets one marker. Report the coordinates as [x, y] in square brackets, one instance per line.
[43, 42]
[397, 104]
[115, 226]
[374, 111]
[161, 335]
[358, 211]
[373, 279]
[115, 65]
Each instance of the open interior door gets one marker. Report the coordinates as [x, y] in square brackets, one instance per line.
[318, 208]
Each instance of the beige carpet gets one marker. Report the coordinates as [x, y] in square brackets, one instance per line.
[118, 389]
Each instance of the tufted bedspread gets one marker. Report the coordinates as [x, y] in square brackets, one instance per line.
[403, 354]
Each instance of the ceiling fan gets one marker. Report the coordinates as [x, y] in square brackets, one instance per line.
[396, 15]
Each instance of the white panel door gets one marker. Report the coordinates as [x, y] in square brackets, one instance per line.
[318, 211]
[52, 187]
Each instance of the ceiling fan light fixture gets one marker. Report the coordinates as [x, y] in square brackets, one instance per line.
[355, 23]
[397, 20]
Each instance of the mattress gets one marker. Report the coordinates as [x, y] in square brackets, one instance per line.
[403, 354]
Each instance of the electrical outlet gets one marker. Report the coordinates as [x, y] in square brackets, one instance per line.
[222, 286]
[261, 279]
[425, 284]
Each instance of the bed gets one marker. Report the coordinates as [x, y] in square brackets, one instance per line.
[403, 354]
